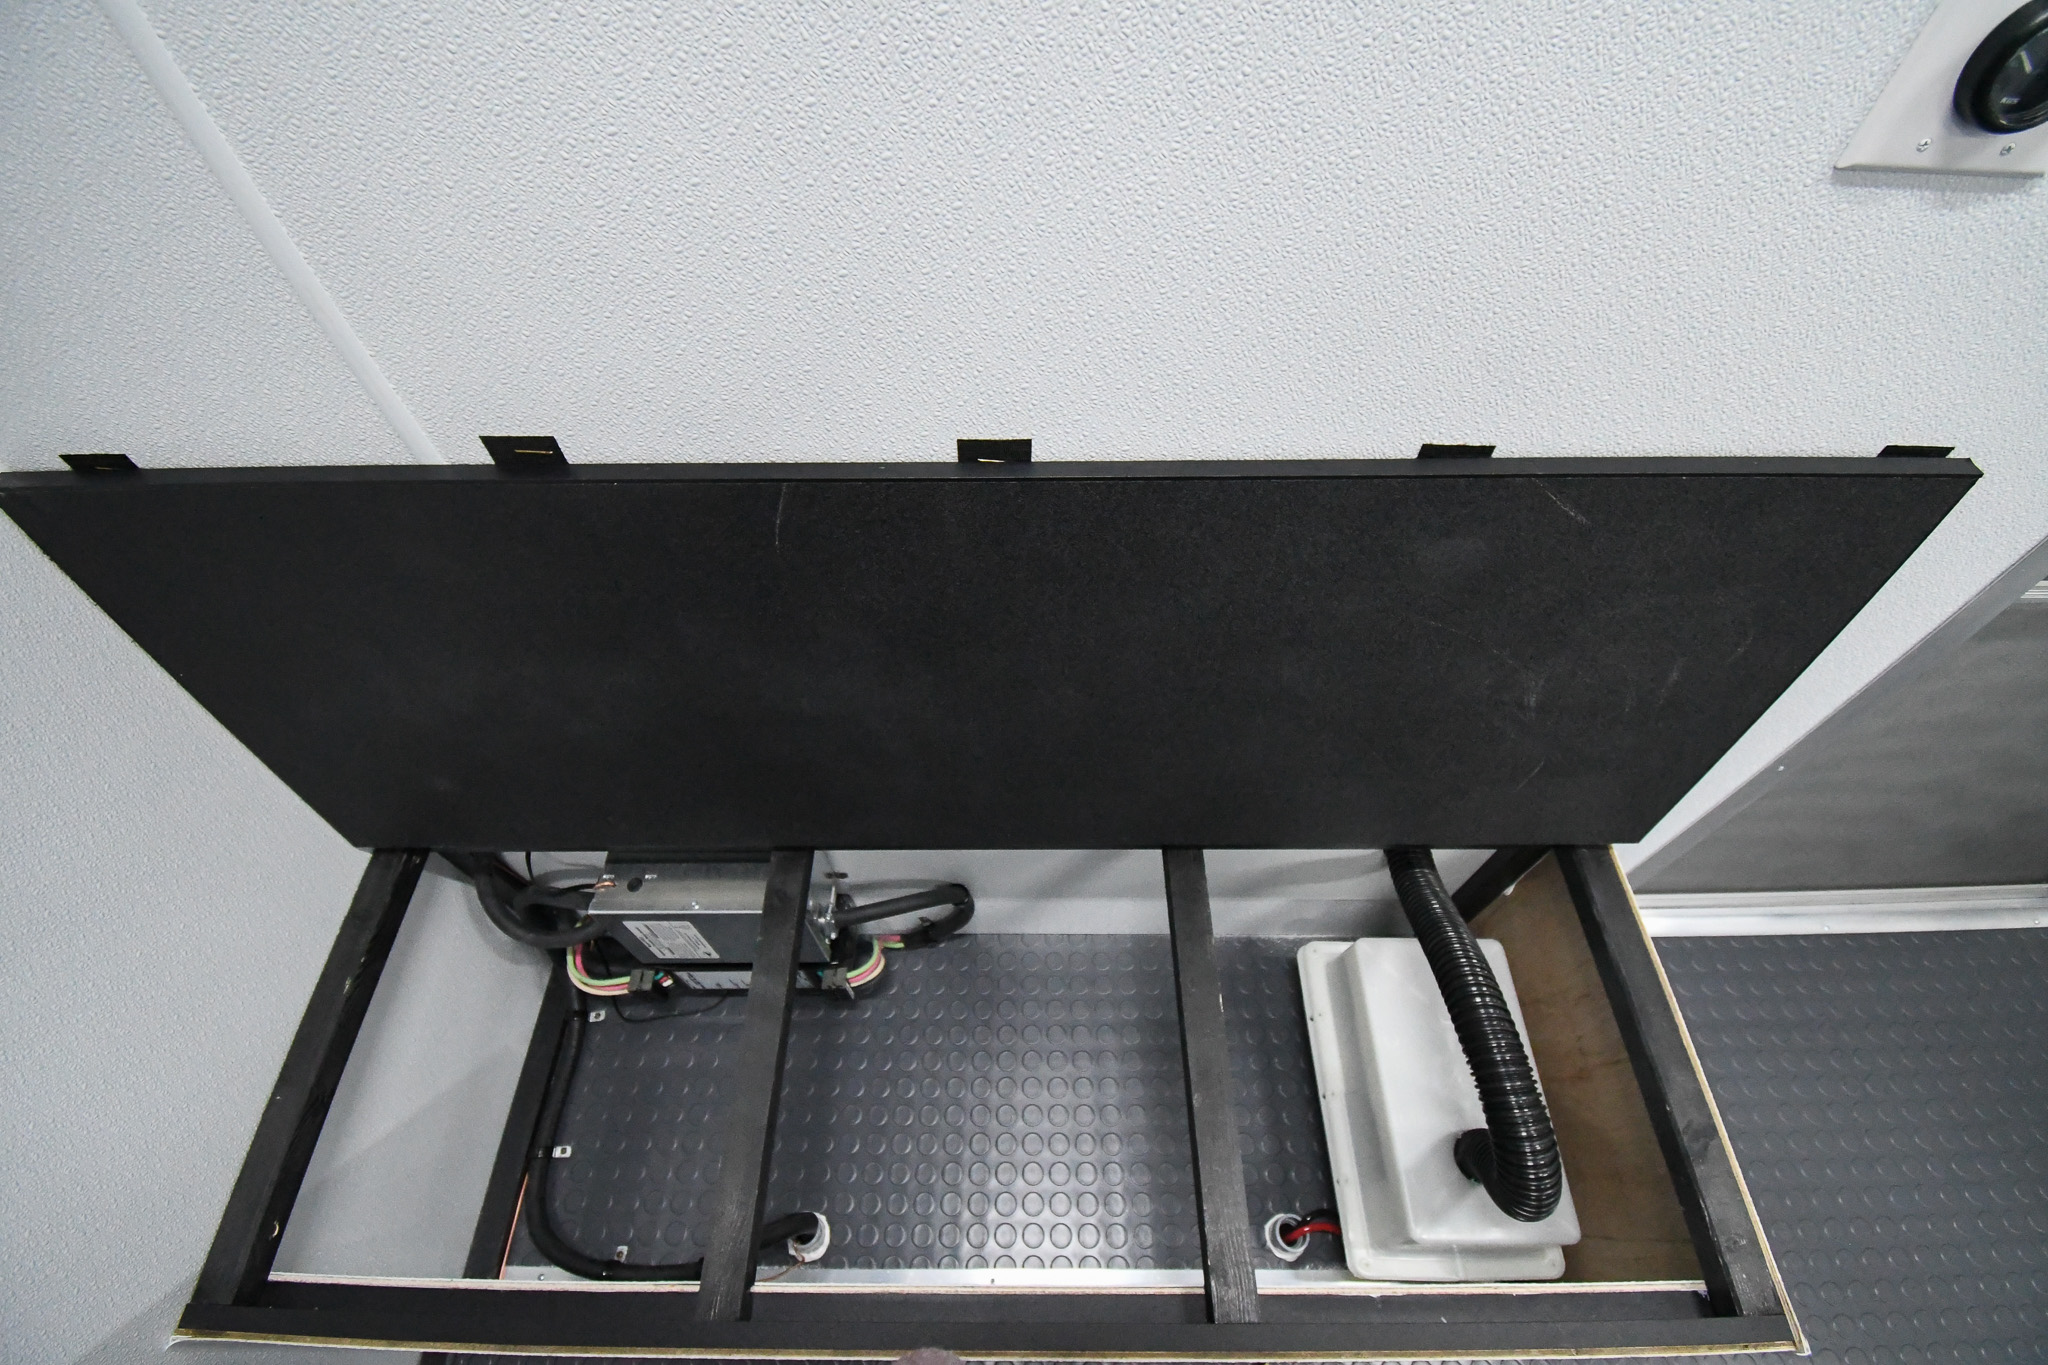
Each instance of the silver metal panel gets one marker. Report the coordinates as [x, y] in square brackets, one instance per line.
[631, 889]
[1941, 781]
[689, 912]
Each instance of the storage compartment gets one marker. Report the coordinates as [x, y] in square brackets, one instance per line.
[1008, 1116]
[1010, 1109]
[756, 662]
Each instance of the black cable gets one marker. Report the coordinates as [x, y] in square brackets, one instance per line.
[566, 892]
[926, 933]
[1515, 1155]
[655, 1017]
[540, 1162]
[509, 902]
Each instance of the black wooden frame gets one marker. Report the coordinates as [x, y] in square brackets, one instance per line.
[1228, 1318]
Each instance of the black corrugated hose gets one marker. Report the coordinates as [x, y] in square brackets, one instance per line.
[928, 932]
[541, 1161]
[1515, 1155]
[510, 900]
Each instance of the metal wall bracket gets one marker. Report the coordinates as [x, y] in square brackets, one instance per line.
[100, 462]
[526, 454]
[978, 450]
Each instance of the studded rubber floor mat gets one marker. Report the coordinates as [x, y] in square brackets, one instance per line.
[1000, 1101]
[1887, 1096]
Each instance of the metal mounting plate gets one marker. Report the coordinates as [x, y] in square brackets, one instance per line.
[1914, 126]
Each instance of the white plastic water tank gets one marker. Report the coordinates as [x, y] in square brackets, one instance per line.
[1396, 1093]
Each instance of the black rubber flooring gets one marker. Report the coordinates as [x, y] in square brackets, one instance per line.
[1887, 1096]
[1005, 1101]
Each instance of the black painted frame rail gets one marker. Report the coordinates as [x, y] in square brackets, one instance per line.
[507, 1182]
[1230, 1282]
[1495, 877]
[732, 1242]
[261, 1202]
[1733, 1261]
[1225, 1320]
[1028, 1326]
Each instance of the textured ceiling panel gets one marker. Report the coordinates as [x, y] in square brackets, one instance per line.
[801, 231]
[139, 313]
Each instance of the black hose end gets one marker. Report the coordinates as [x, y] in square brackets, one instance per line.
[1473, 1152]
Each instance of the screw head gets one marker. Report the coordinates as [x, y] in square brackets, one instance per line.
[1925, 143]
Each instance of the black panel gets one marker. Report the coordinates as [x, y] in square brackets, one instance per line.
[1298, 654]
[252, 1226]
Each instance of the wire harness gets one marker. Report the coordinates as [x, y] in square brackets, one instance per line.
[928, 932]
[807, 1229]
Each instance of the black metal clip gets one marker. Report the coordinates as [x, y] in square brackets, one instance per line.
[979, 450]
[100, 462]
[526, 454]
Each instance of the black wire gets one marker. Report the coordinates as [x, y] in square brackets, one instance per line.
[509, 904]
[659, 1015]
[541, 1160]
[529, 865]
[607, 957]
[1288, 1229]
[571, 896]
[927, 933]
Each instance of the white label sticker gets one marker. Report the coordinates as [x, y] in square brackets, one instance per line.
[672, 940]
[716, 981]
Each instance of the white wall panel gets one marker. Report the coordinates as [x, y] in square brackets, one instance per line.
[136, 311]
[171, 905]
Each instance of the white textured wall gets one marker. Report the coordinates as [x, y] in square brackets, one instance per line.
[170, 904]
[817, 232]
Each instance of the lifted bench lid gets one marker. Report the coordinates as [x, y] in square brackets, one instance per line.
[1457, 652]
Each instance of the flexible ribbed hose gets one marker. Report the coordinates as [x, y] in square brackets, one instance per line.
[509, 901]
[1515, 1155]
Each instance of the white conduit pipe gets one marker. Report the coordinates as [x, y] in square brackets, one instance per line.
[191, 113]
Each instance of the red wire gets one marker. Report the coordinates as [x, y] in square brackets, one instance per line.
[1320, 1225]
